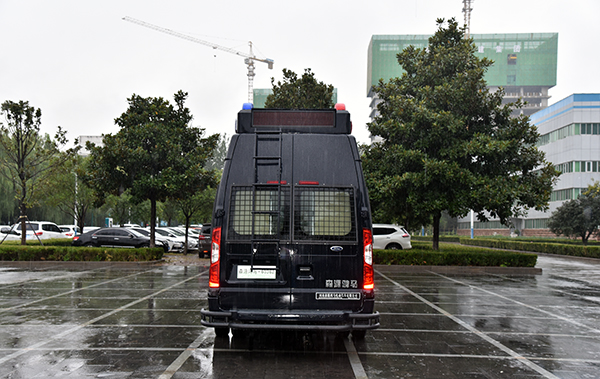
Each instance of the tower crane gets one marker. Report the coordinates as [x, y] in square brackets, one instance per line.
[249, 60]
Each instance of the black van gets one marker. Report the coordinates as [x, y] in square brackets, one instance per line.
[292, 235]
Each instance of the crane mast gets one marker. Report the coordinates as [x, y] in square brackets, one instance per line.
[467, 11]
[249, 60]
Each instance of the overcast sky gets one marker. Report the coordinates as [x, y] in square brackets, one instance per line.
[79, 61]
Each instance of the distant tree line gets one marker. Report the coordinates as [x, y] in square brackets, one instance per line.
[157, 167]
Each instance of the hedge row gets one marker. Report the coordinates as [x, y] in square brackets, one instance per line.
[455, 239]
[453, 255]
[68, 253]
[561, 240]
[538, 247]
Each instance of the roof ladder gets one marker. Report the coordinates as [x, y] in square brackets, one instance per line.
[266, 197]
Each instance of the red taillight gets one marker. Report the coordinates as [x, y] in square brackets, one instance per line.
[75, 238]
[215, 258]
[308, 183]
[39, 233]
[368, 282]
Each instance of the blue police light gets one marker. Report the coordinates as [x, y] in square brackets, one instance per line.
[247, 106]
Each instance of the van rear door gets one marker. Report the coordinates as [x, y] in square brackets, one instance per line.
[326, 267]
[257, 272]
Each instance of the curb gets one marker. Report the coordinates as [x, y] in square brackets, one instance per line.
[45, 265]
[460, 270]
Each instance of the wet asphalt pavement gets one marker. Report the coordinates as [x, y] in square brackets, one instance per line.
[143, 321]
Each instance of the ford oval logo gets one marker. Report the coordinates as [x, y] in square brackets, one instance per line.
[336, 249]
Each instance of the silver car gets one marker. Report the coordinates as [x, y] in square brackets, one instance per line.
[387, 236]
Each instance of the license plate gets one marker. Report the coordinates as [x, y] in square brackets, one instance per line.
[337, 296]
[256, 272]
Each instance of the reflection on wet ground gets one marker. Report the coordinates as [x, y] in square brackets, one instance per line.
[144, 322]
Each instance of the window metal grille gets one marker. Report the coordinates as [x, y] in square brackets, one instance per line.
[271, 219]
[324, 214]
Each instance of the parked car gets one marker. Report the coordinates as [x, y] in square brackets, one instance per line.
[70, 230]
[179, 235]
[169, 244]
[40, 229]
[387, 236]
[6, 234]
[113, 237]
[205, 241]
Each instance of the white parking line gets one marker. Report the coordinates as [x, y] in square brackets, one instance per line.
[357, 367]
[475, 331]
[94, 320]
[70, 292]
[177, 363]
[505, 298]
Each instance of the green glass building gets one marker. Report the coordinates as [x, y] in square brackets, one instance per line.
[524, 64]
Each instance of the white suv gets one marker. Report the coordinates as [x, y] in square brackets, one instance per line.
[387, 236]
[40, 229]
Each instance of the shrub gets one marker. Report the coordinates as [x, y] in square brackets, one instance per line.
[453, 255]
[69, 253]
[539, 247]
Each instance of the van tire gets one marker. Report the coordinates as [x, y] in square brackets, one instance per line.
[359, 334]
[393, 246]
[221, 332]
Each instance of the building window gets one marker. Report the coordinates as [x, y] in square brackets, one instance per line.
[511, 59]
[566, 194]
[567, 131]
[536, 223]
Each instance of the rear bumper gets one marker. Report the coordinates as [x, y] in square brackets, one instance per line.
[278, 319]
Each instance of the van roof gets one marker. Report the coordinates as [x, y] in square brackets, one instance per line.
[316, 121]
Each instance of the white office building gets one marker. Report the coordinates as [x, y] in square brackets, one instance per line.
[570, 137]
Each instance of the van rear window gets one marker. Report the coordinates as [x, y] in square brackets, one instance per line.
[320, 213]
[264, 209]
[324, 214]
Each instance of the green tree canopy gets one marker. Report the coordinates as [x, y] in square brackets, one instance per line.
[28, 158]
[68, 193]
[449, 143]
[579, 217]
[300, 93]
[156, 153]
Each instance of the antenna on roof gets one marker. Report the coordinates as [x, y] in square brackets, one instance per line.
[467, 11]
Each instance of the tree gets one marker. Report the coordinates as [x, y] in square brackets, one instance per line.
[448, 142]
[188, 206]
[27, 157]
[579, 217]
[155, 154]
[118, 207]
[217, 160]
[303, 93]
[69, 193]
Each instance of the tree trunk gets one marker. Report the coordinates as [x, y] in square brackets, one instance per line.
[436, 230]
[584, 238]
[23, 221]
[187, 225]
[152, 220]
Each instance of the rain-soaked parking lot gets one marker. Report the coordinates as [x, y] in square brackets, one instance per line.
[144, 322]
